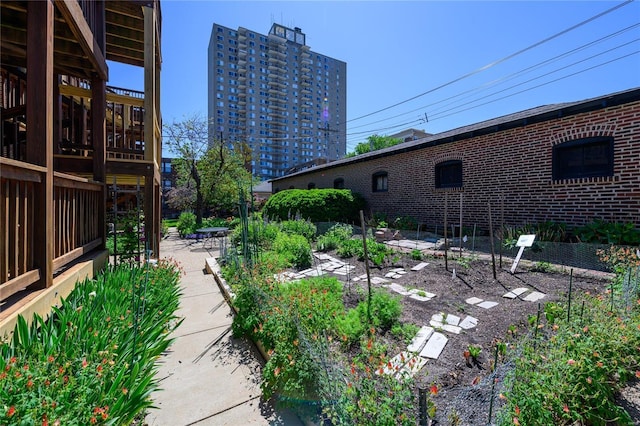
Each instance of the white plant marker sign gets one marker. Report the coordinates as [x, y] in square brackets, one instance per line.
[523, 241]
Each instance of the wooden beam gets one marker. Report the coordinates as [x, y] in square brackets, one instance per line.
[18, 283]
[72, 13]
[74, 254]
[39, 149]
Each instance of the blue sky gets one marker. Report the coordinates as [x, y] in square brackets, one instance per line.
[396, 51]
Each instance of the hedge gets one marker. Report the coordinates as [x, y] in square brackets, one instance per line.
[315, 205]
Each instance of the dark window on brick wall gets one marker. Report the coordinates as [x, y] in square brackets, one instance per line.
[588, 157]
[311, 185]
[379, 182]
[449, 174]
[338, 183]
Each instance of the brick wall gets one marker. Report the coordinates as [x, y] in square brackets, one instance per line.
[512, 168]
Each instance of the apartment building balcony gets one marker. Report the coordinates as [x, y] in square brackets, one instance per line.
[66, 136]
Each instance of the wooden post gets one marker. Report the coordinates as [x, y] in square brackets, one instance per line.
[446, 260]
[99, 142]
[460, 236]
[366, 266]
[40, 17]
[150, 137]
[493, 251]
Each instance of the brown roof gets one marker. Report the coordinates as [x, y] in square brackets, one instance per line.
[517, 119]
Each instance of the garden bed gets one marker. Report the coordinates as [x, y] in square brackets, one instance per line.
[473, 278]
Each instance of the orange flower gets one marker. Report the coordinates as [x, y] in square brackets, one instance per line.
[638, 374]
[276, 371]
[84, 363]
[517, 410]
[125, 391]
[571, 362]
[565, 408]
[433, 390]
[11, 412]
[516, 421]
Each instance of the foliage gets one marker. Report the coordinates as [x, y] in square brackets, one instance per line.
[542, 267]
[416, 254]
[603, 232]
[299, 227]
[209, 172]
[349, 248]
[406, 332]
[93, 361]
[164, 227]
[215, 222]
[334, 237]
[405, 222]
[127, 242]
[570, 373]
[315, 205]
[294, 248]
[368, 397]
[283, 318]
[374, 143]
[186, 223]
[545, 231]
[261, 233]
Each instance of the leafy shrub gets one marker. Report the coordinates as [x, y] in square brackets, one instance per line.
[215, 222]
[603, 232]
[299, 227]
[349, 248]
[334, 237]
[317, 205]
[295, 248]
[350, 327]
[416, 254]
[186, 223]
[385, 309]
[405, 222]
[260, 233]
[545, 231]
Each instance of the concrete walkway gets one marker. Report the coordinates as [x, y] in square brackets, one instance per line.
[207, 377]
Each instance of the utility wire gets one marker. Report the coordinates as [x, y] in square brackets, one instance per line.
[503, 79]
[499, 61]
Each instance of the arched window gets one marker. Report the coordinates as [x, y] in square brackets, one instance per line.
[379, 182]
[338, 183]
[449, 174]
[587, 157]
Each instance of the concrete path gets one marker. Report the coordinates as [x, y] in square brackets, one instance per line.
[207, 377]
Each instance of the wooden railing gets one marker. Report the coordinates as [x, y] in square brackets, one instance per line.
[19, 183]
[77, 231]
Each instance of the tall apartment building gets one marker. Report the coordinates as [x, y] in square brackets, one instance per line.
[286, 102]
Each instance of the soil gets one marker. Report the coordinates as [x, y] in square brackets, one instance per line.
[473, 278]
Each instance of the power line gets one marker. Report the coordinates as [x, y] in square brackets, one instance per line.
[499, 61]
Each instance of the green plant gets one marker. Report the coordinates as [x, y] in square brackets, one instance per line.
[416, 254]
[164, 227]
[334, 237]
[93, 361]
[405, 332]
[299, 227]
[320, 205]
[570, 374]
[186, 224]
[603, 232]
[349, 248]
[295, 248]
[405, 222]
[542, 267]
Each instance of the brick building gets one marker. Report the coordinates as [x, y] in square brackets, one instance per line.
[570, 162]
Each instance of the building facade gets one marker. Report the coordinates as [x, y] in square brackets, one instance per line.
[570, 163]
[272, 92]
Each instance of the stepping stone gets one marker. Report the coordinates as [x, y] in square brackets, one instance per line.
[487, 304]
[418, 342]
[425, 298]
[446, 327]
[534, 296]
[468, 322]
[399, 289]
[448, 319]
[397, 270]
[473, 300]
[419, 266]
[314, 273]
[389, 274]
[434, 346]
[378, 280]
[515, 293]
[414, 365]
[322, 256]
